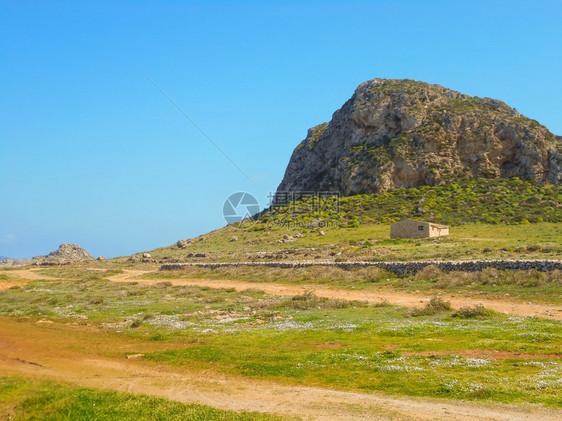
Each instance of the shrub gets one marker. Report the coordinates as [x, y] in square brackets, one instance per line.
[429, 273]
[97, 300]
[472, 312]
[308, 301]
[135, 324]
[435, 305]
[164, 284]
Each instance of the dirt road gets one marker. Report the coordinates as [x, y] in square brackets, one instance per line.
[393, 297]
[90, 358]
[24, 275]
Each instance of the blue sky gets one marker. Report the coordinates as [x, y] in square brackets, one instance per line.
[92, 153]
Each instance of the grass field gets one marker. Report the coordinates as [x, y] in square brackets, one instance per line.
[25, 399]
[471, 354]
[529, 285]
[372, 242]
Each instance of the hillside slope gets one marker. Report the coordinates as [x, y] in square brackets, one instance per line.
[500, 218]
[402, 133]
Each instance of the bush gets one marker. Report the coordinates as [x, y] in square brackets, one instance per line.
[429, 273]
[97, 300]
[472, 312]
[436, 305]
[135, 324]
[308, 301]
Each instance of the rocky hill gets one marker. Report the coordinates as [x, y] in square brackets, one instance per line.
[66, 253]
[403, 133]
[70, 253]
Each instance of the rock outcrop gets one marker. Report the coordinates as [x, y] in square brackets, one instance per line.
[70, 253]
[66, 253]
[403, 133]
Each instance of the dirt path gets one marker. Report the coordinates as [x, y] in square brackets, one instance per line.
[24, 274]
[393, 297]
[79, 354]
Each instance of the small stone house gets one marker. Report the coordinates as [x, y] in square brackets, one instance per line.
[410, 228]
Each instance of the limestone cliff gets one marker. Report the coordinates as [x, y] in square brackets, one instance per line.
[403, 133]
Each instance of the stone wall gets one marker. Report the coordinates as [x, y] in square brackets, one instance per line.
[396, 267]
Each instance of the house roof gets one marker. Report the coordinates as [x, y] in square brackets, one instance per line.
[438, 225]
[422, 222]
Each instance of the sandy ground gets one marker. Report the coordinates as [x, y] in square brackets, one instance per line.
[84, 356]
[24, 274]
[393, 297]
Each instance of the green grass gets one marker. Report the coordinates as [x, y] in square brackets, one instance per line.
[372, 242]
[310, 340]
[525, 285]
[24, 399]
[364, 350]
[497, 201]
[489, 219]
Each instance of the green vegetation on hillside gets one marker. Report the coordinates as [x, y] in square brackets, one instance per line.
[497, 201]
[488, 219]
[261, 242]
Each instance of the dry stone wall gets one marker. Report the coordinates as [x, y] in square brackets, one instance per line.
[399, 268]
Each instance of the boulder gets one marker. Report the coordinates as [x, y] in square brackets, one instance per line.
[182, 244]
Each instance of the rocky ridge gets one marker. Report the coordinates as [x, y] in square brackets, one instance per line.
[404, 133]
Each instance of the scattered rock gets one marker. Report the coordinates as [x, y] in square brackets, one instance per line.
[233, 238]
[315, 223]
[146, 256]
[101, 258]
[135, 356]
[321, 232]
[182, 244]
[286, 239]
